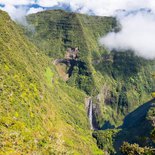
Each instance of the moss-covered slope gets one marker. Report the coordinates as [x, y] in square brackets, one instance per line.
[39, 113]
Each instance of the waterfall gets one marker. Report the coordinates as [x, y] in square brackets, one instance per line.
[90, 113]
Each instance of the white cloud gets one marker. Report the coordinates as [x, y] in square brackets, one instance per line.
[34, 10]
[16, 2]
[101, 7]
[98, 7]
[16, 13]
[138, 34]
[106, 7]
[47, 3]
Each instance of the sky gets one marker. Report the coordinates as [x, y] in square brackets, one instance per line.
[136, 17]
[97, 7]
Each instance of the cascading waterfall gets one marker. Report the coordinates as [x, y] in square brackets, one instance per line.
[90, 113]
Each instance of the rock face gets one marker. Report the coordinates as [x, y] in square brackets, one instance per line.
[69, 61]
[72, 53]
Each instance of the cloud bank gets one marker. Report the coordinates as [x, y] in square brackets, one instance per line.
[137, 34]
[98, 7]
[16, 13]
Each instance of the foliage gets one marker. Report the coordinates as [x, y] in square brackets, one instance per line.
[153, 135]
[135, 149]
[105, 140]
[39, 113]
[126, 76]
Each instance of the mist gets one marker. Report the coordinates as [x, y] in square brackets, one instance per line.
[137, 33]
[16, 13]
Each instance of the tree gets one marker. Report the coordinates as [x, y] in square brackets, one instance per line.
[135, 149]
[153, 92]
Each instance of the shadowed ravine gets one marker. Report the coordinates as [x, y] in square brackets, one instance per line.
[135, 125]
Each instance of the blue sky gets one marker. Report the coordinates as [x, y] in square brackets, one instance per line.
[97, 7]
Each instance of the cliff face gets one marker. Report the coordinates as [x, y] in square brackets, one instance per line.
[118, 81]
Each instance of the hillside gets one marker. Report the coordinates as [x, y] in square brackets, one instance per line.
[59, 88]
[118, 81]
[39, 113]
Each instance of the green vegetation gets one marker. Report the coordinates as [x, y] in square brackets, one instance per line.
[55, 31]
[42, 113]
[105, 140]
[122, 80]
[135, 149]
[39, 113]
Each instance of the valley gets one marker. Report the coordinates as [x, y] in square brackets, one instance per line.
[61, 92]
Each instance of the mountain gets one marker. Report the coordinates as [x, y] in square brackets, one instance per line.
[39, 113]
[63, 93]
[117, 81]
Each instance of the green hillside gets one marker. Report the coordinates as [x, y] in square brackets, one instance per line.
[46, 94]
[118, 81]
[39, 113]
